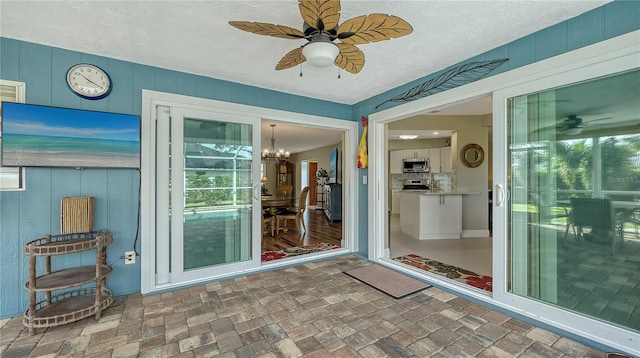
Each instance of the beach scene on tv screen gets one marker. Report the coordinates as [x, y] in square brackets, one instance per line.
[60, 137]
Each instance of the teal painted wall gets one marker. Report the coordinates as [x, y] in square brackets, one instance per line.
[31, 214]
[25, 216]
[603, 23]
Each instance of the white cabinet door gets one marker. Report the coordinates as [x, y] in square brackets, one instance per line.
[429, 216]
[415, 153]
[395, 161]
[408, 154]
[440, 217]
[445, 160]
[421, 153]
[451, 214]
[395, 204]
[434, 157]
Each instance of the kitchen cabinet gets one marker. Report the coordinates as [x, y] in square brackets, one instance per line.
[428, 216]
[395, 161]
[415, 153]
[446, 160]
[440, 160]
[434, 160]
[395, 203]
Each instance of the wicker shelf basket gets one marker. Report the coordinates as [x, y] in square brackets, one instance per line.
[60, 280]
[68, 307]
[58, 308]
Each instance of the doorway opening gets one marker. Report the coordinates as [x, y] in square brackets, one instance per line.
[450, 202]
[306, 224]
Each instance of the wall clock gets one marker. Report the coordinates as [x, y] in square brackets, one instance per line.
[89, 81]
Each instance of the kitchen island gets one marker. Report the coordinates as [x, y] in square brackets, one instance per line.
[429, 215]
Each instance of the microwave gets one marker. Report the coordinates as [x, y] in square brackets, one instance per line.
[415, 165]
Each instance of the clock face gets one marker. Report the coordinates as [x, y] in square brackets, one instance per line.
[89, 81]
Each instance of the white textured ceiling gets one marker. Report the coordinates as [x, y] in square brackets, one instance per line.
[195, 37]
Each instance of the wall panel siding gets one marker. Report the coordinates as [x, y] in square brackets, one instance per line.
[28, 215]
[9, 58]
[35, 70]
[121, 98]
[586, 29]
[61, 61]
[621, 17]
[551, 41]
[35, 212]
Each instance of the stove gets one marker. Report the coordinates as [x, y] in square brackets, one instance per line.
[416, 184]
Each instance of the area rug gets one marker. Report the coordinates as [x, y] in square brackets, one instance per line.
[455, 273]
[388, 281]
[296, 251]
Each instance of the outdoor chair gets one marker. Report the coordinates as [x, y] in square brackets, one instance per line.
[596, 214]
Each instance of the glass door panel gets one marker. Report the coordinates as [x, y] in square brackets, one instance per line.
[573, 169]
[217, 206]
[212, 194]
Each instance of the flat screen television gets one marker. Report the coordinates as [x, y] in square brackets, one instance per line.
[43, 136]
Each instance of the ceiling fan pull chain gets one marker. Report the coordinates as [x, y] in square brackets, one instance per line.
[300, 70]
[339, 73]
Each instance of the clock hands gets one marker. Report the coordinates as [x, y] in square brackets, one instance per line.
[85, 77]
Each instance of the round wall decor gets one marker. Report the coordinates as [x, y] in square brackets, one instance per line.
[472, 155]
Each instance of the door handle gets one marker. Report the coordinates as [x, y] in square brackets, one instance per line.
[500, 195]
[257, 192]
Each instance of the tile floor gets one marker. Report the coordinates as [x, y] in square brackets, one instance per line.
[310, 310]
[471, 253]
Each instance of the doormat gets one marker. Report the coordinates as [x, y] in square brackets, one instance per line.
[452, 272]
[297, 251]
[391, 282]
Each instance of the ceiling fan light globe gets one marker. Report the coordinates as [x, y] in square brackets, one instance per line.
[320, 54]
[573, 131]
[408, 136]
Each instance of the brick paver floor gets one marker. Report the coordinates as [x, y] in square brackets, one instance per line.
[310, 310]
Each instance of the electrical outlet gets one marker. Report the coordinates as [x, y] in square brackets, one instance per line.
[129, 257]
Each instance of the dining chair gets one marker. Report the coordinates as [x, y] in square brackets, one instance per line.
[630, 216]
[597, 214]
[297, 214]
[285, 192]
[268, 220]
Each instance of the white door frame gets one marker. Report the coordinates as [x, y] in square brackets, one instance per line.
[611, 56]
[150, 280]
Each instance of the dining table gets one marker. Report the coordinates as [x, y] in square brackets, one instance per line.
[273, 203]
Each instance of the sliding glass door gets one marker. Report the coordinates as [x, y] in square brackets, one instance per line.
[573, 203]
[208, 222]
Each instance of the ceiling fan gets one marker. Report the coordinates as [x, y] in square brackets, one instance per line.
[321, 29]
[573, 124]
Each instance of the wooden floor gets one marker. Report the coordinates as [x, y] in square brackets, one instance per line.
[319, 230]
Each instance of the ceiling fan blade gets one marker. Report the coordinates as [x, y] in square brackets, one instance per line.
[292, 58]
[320, 13]
[261, 28]
[373, 28]
[595, 120]
[350, 58]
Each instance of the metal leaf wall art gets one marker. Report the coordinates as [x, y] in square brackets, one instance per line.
[452, 78]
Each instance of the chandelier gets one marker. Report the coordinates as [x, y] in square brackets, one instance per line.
[273, 155]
